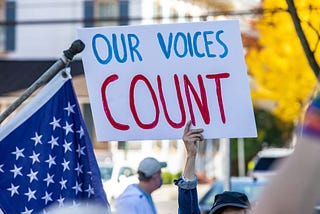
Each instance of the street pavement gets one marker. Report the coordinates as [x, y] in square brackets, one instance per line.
[166, 198]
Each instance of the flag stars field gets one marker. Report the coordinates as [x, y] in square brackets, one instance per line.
[51, 161]
[32, 175]
[53, 141]
[78, 169]
[61, 201]
[47, 197]
[18, 153]
[90, 191]
[27, 211]
[37, 139]
[42, 161]
[31, 194]
[65, 165]
[63, 184]
[68, 128]
[81, 132]
[55, 123]
[80, 150]
[16, 171]
[14, 190]
[67, 146]
[35, 157]
[70, 108]
[49, 179]
[77, 187]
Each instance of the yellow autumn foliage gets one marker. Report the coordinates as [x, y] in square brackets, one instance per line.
[279, 69]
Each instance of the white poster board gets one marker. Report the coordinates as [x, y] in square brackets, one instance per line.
[147, 81]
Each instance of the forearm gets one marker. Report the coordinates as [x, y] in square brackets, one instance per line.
[190, 139]
[189, 169]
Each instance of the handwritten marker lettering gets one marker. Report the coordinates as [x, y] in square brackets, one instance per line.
[126, 44]
[198, 44]
[190, 92]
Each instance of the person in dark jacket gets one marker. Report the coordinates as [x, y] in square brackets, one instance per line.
[227, 202]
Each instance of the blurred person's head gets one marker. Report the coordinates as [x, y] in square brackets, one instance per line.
[149, 172]
[230, 202]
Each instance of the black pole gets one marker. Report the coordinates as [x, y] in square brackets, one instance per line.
[75, 48]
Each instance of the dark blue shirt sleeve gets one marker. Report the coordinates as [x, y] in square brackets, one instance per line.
[187, 196]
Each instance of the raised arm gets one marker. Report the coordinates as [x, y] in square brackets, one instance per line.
[188, 196]
[190, 139]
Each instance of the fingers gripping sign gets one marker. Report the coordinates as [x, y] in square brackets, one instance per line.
[191, 137]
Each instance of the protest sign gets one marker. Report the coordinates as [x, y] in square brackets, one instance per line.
[147, 81]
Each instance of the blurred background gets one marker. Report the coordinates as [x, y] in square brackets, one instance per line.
[281, 46]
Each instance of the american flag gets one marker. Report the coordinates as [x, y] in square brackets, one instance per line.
[46, 156]
[311, 121]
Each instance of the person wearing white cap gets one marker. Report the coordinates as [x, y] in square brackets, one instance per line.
[136, 198]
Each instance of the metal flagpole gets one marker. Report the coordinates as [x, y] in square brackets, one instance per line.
[241, 157]
[75, 48]
[225, 144]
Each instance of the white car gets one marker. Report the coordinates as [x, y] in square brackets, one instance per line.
[265, 161]
[116, 177]
[247, 185]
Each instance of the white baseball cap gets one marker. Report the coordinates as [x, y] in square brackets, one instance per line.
[150, 166]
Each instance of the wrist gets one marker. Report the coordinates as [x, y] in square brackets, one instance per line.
[190, 179]
[192, 155]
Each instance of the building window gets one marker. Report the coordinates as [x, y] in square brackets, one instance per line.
[7, 31]
[10, 30]
[88, 13]
[157, 11]
[188, 17]
[124, 12]
[174, 15]
[2, 27]
[173, 145]
[107, 12]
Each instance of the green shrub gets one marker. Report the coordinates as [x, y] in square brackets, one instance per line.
[168, 177]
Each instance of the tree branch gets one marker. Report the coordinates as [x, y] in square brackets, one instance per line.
[304, 42]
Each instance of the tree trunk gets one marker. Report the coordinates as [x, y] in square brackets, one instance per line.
[304, 42]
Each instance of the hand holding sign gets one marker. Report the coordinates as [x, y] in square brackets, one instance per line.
[145, 82]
